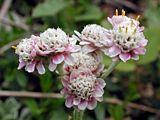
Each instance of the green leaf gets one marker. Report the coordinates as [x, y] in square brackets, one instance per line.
[106, 24]
[9, 109]
[116, 112]
[49, 8]
[100, 112]
[132, 92]
[34, 108]
[46, 82]
[21, 79]
[152, 34]
[10, 74]
[60, 114]
[92, 13]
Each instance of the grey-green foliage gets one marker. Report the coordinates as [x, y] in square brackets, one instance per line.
[49, 8]
[100, 111]
[9, 109]
[92, 12]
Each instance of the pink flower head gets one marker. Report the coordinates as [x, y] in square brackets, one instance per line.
[55, 44]
[122, 19]
[94, 37]
[82, 89]
[28, 55]
[83, 60]
[128, 38]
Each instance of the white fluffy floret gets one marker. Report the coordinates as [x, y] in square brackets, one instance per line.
[25, 49]
[54, 39]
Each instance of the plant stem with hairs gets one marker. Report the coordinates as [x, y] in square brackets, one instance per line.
[110, 68]
[77, 114]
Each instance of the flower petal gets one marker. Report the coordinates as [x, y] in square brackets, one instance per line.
[143, 42]
[135, 57]
[82, 105]
[92, 104]
[75, 48]
[21, 65]
[99, 69]
[124, 56]
[114, 51]
[140, 50]
[98, 92]
[30, 67]
[77, 33]
[76, 101]
[40, 68]
[68, 59]
[100, 99]
[101, 83]
[69, 101]
[88, 49]
[64, 91]
[110, 20]
[52, 66]
[84, 43]
[57, 59]
[106, 41]
[64, 82]
[33, 53]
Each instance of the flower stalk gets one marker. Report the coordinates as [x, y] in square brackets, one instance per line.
[78, 114]
[110, 68]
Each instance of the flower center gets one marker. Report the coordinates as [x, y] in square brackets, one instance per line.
[82, 86]
[84, 60]
[126, 36]
[94, 33]
[53, 38]
[24, 49]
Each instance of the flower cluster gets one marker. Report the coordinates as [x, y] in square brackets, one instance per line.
[125, 41]
[52, 45]
[82, 85]
[82, 65]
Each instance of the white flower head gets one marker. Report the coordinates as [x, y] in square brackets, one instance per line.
[25, 49]
[54, 39]
[95, 34]
[82, 89]
[82, 60]
[83, 84]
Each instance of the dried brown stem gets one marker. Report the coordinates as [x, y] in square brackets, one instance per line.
[124, 3]
[5, 7]
[4, 20]
[8, 46]
[9, 22]
[132, 105]
[30, 94]
[56, 95]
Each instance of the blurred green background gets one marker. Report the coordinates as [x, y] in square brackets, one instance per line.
[134, 81]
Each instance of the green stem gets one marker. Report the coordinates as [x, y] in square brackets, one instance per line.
[110, 68]
[77, 114]
[81, 115]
